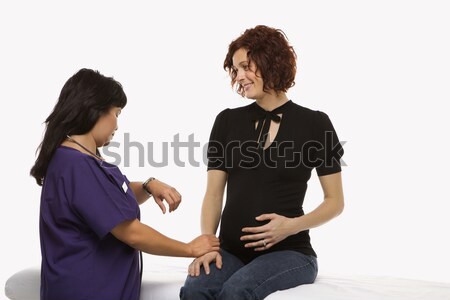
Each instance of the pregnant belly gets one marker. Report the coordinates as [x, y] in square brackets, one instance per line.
[231, 231]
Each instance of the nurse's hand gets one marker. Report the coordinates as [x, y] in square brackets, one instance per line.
[203, 244]
[162, 191]
[263, 237]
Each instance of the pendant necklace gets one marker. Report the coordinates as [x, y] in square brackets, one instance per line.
[89, 151]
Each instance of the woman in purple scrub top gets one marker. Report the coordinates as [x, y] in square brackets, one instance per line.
[90, 229]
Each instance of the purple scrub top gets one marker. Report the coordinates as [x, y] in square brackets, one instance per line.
[82, 200]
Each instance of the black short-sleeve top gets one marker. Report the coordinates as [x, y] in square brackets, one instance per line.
[274, 179]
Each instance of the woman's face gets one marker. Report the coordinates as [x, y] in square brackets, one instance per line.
[106, 126]
[251, 82]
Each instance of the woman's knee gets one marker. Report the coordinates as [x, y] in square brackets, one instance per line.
[240, 286]
[233, 291]
[201, 287]
[195, 292]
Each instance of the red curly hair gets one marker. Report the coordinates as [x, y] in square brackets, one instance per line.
[270, 51]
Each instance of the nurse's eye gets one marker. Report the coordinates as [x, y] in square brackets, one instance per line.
[245, 67]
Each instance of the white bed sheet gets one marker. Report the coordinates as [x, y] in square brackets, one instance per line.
[163, 282]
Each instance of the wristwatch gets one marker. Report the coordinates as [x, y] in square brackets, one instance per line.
[144, 186]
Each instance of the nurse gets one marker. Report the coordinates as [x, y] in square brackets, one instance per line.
[90, 230]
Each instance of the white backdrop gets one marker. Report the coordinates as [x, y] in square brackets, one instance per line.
[380, 69]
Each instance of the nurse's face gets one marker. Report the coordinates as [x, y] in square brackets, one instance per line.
[246, 76]
[106, 126]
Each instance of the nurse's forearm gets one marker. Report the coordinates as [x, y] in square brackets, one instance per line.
[146, 239]
[153, 242]
[138, 191]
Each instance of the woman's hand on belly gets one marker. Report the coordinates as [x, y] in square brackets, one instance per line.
[263, 237]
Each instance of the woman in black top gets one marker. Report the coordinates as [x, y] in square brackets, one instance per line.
[264, 153]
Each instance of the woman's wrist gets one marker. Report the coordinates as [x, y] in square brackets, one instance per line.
[296, 225]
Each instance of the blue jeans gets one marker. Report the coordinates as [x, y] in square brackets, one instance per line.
[261, 277]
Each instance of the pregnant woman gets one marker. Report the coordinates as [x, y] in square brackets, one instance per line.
[264, 153]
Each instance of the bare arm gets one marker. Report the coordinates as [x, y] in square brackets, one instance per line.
[211, 213]
[138, 191]
[331, 207]
[146, 239]
[212, 201]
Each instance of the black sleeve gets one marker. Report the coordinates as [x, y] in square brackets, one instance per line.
[330, 149]
[217, 142]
